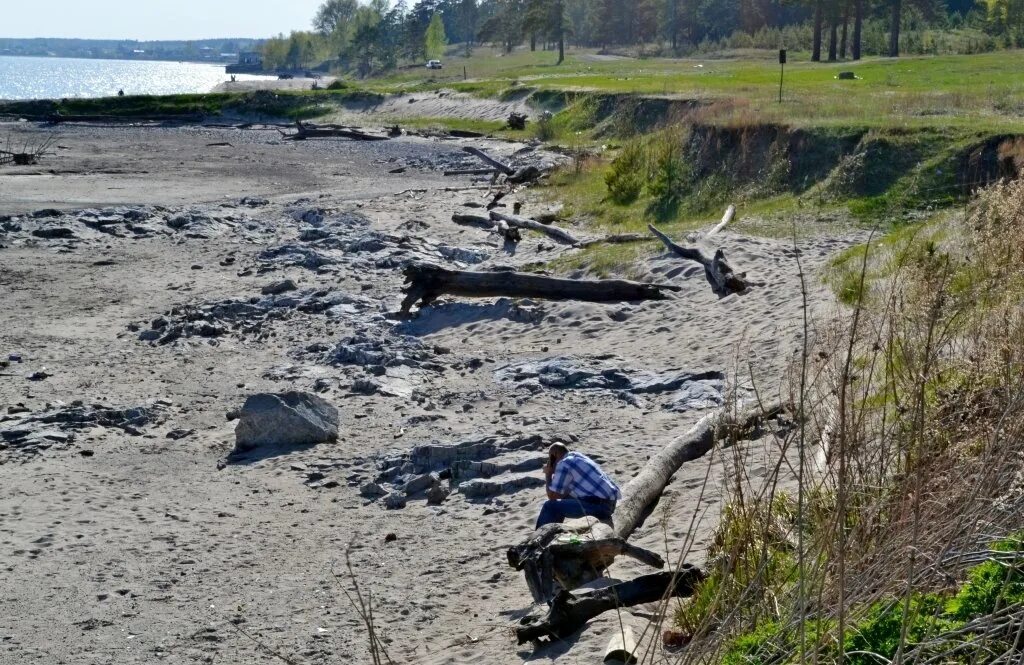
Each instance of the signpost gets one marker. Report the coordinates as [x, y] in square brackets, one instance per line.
[782, 70]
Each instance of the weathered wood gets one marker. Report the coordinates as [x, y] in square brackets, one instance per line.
[308, 131]
[553, 232]
[621, 647]
[730, 212]
[470, 172]
[549, 562]
[500, 166]
[615, 239]
[547, 565]
[719, 273]
[569, 613]
[427, 282]
[475, 221]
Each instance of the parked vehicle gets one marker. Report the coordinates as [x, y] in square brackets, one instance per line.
[434, 64]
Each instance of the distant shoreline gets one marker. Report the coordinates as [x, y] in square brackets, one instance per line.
[217, 63]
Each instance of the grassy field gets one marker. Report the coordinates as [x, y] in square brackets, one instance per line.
[977, 91]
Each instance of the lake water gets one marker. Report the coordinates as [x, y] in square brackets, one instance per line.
[51, 78]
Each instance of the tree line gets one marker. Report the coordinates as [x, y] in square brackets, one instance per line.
[365, 36]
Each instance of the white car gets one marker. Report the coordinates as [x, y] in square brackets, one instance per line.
[434, 64]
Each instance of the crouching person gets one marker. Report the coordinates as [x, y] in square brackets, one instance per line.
[576, 487]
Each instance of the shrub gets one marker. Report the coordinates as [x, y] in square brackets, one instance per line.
[625, 178]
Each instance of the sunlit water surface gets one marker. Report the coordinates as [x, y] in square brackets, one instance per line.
[51, 78]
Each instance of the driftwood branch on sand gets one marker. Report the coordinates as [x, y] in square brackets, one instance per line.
[549, 563]
[426, 282]
[310, 131]
[568, 612]
[553, 232]
[525, 174]
[719, 273]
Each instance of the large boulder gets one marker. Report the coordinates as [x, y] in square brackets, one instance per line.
[285, 419]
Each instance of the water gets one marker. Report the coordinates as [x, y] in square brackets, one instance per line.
[52, 78]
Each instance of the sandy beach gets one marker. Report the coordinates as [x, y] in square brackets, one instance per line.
[139, 541]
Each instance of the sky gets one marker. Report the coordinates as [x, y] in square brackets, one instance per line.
[155, 19]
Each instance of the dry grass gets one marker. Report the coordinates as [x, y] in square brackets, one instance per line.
[909, 460]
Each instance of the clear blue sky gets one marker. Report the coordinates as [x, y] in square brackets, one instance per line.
[154, 19]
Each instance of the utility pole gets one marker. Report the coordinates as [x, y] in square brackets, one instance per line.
[782, 70]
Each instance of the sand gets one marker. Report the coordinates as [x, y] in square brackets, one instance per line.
[127, 546]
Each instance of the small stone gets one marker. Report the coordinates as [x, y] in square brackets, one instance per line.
[150, 335]
[176, 434]
[390, 538]
[437, 494]
[276, 288]
[197, 267]
[394, 501]
[372, 491]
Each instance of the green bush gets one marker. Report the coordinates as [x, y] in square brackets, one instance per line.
[991, 585]
[628, 172]
[670, 177]
[337, 84]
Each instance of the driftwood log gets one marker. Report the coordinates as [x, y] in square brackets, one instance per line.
[483, 156]
[569, 613]
[308, 131]
[501, 228]
[723, 279]
[525, 174]
[426, 282]
[553, 232]
[550, 564]
[615, 239]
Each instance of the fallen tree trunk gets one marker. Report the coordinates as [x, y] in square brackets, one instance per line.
[719, 273]
[730, 212]
[569, 613]
[306, 131]
[547, 565]
[523, 223]
[615, 239]
[470, 172]
[500, 166]
[425, 283]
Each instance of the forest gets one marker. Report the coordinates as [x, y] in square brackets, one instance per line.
[372, 37]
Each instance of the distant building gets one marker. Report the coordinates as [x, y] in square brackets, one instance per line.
[248, 62]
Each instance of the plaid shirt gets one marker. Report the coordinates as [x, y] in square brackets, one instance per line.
[580, 477]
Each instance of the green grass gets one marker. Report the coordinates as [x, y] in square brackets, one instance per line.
[292, 104]
[971, 91]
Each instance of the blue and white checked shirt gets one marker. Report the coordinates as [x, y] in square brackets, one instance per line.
[580, 477]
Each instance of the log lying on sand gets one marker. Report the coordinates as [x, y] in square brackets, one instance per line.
[503, 229]
[548, 565]
[719, 273]
[569, 613]
[308, 131]
[525, 174]
[553, 232]
[500, 166]
[426, 282]
[615, 239]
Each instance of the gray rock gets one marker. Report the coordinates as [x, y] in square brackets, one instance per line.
[437, 494]
[254, 202]
[279, 287]
[47, 212]
[52, 232]
[394, 501]
[421, 483]
[285, 419]
[372, 491]
[150, 335]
